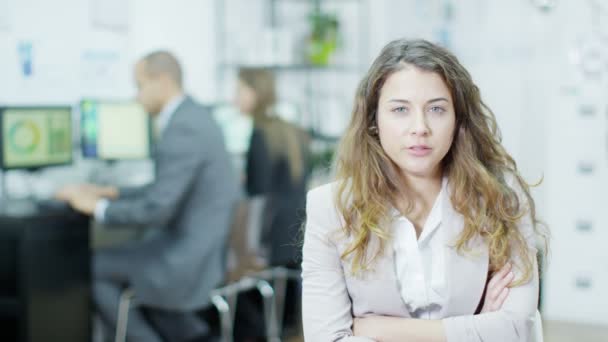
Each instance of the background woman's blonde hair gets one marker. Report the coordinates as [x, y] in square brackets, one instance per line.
[283, 140]
[477, 166]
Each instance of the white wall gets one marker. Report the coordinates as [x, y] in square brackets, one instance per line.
[186, 27]
[56, 46]
[74, 58]
[574, 202]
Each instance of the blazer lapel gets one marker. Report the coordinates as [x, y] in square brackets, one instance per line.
[466, 272]
[376, 291]
[392, 300]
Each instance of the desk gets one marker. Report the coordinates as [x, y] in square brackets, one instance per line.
[45, 292]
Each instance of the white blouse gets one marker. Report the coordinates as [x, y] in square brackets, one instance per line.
[420, 263]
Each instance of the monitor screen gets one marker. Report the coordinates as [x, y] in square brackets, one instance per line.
[36, 137]
[114, 130]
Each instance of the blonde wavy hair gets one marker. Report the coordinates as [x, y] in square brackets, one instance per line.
[369, 182]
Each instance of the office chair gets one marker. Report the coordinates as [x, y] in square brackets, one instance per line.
[243, 260]
[124, 305]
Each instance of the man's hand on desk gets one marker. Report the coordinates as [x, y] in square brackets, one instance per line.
[69, 191]
[84, 202]
[83, 197]
[108, 192]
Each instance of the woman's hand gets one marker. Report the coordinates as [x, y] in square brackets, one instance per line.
[497, 289]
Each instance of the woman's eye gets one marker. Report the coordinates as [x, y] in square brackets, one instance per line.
[400, 110]
[437, 109]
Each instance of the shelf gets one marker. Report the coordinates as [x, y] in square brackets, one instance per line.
[315, 84]
[318, 136]
[296, 67]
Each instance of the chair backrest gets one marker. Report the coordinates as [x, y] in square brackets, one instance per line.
[244, 245]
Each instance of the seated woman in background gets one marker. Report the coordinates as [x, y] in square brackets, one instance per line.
[277, 165]
[427, 206]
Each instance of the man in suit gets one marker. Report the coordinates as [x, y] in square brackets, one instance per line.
[188, 208]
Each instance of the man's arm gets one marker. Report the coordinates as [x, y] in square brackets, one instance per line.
[131, 191]
[179, 159]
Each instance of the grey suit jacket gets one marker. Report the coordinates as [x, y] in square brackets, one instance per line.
[190, 203]
[332, 296]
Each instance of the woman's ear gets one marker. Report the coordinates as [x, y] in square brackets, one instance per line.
[372, 127]
[373, 130]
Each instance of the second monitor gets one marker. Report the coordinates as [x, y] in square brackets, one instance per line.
[114, 130]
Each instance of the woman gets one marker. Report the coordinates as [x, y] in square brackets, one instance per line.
[277, 165]
[427, 205]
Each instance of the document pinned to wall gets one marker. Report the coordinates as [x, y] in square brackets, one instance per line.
[110, 15]
[104, 72]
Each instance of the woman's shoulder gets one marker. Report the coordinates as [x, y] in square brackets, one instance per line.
[324, 191]
[322, 196]
[321, 207]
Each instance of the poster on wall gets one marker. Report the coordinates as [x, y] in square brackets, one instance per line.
[110, 15]
[25, 53]
[4, 15]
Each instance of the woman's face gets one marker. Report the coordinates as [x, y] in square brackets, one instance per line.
[416, 121]
[245, 98]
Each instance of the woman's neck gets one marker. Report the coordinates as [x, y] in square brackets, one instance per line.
[419, 196]
[423, 190]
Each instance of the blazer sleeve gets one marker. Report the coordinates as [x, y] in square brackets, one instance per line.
[515, 320]
[326, 305]
[178, 163]
[132, 191]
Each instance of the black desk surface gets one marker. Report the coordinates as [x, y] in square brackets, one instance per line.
[45, 265]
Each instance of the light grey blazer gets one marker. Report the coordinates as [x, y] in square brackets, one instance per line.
[190, 204]
[332, 296]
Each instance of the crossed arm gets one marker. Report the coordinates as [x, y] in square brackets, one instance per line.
[327, 310]
[386, 328]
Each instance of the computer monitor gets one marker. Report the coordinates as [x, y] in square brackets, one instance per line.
[113, 130]
[35, 137]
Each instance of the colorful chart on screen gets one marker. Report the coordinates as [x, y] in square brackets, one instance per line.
[36, 137]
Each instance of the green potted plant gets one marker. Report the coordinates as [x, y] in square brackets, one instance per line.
[323, 39]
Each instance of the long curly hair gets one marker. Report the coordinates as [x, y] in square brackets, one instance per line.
[477, 165]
